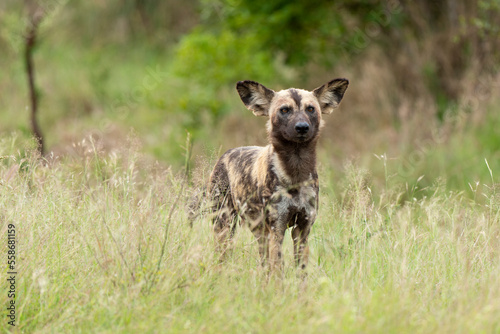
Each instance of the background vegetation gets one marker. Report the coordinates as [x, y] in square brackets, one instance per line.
[135, 95]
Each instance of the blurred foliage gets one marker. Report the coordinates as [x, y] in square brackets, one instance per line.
[207, 57]
[280, 26]
[300, 31]
[204, 59]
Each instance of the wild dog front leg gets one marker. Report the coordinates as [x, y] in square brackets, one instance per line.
[300, 235]
[276, 237]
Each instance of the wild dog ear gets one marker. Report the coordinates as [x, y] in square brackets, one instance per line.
[329, 95]
[255, 96]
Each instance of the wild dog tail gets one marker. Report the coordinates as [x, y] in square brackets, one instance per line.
[196, 204]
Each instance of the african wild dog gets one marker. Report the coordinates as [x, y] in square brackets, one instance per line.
[274, 187]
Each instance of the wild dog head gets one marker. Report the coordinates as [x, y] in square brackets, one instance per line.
[294, 114]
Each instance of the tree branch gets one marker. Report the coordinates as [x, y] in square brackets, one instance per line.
[30, 43]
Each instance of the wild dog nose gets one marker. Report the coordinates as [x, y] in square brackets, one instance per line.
[301, 128]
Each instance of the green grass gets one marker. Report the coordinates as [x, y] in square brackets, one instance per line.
[104, 246]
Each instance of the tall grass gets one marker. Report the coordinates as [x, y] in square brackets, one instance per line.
[105, 246]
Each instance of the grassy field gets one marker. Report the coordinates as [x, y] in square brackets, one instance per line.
[104, 246]
[407, 239]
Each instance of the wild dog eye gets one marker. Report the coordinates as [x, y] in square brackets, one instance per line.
[284, 110]
[310, 109]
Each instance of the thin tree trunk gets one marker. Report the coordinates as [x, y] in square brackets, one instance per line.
[30, 71]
